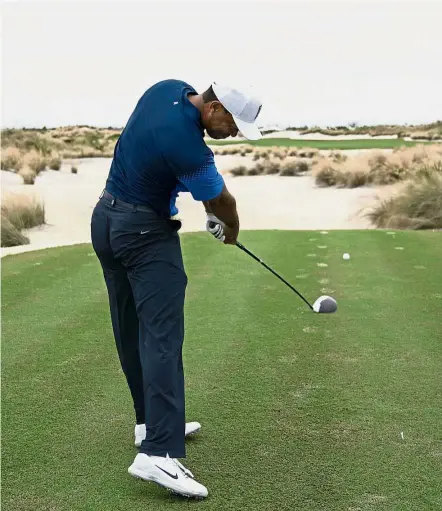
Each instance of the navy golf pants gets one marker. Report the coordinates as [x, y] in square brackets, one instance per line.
[140, 254]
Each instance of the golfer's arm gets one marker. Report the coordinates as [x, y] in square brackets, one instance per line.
[224, 207]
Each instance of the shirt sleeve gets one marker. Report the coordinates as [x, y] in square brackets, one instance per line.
[206, 182]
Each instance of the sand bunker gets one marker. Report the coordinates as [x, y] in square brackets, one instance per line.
[264, 202]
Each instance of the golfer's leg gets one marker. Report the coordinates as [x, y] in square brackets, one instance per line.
[159, 285]
[126, 332]
[122, 307]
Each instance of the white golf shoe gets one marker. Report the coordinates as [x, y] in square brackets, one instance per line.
[169, 473]
[140, 431]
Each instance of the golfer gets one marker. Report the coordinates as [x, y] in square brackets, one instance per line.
[160, 153]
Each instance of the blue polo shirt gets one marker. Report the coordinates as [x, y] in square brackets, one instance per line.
[162, 152]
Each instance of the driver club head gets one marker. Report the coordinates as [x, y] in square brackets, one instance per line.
[325, 304]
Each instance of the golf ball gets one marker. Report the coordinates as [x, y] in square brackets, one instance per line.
[346, 256]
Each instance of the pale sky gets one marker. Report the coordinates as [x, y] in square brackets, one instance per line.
[311, 62]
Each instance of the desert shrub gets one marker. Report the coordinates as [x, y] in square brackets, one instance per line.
[427, 170]
[23, 211]
[419, 156]
[303, 166]
[387, 176]
[378, 168]
[280, 152]
[388, 169]
[417, 206]
[349, 173]
[421, 137]
[267, 151]
[35, 161]
[94, 139]
[317, 159]
[308, 153]
[27, 175]
[74, 170]
[285, 151]
[233, 150]
[54, 162]
[241, 170]
[10, 235]
[256, 170]
[328, 176]
[354, 179]
[377, 159]
[293, 168]
[34, 142]
[252, 172]
[88, 152]
[271, 167]
[11, 159]
[337, 156]
[260, 168]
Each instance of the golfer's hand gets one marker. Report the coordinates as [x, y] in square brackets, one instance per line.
[230, 235]
[215, 227]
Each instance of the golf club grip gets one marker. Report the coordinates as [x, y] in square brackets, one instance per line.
[242, 247]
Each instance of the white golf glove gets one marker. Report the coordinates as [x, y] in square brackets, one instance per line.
[215, 227]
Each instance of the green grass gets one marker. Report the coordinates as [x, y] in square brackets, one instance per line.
[325, 144]
[300, 411]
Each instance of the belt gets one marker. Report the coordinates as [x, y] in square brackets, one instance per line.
[118, 202]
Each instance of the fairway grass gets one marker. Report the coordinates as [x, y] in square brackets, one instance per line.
[299, 411]
[375, 143]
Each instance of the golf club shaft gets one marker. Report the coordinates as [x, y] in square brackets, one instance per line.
[247, 251]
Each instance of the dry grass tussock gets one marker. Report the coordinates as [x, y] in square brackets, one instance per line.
[12, 159]
[418, 205]
[29, 164]
[240, 149]
[54, 161]
[377, 168]
[28, 176]
[273, 166]
[265, 153]
[68, 142]
[19, 212]
[35, 161]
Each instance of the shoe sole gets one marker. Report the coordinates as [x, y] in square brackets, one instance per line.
[139, 474]
[190, 434]
[193, 432]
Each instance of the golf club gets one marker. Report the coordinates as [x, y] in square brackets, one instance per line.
[324, 304]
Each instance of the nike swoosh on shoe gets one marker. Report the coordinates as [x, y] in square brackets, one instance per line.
[168, 473]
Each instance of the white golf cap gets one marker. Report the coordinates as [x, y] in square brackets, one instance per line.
[243, 106]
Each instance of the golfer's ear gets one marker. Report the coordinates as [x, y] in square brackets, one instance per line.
[217, 106]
